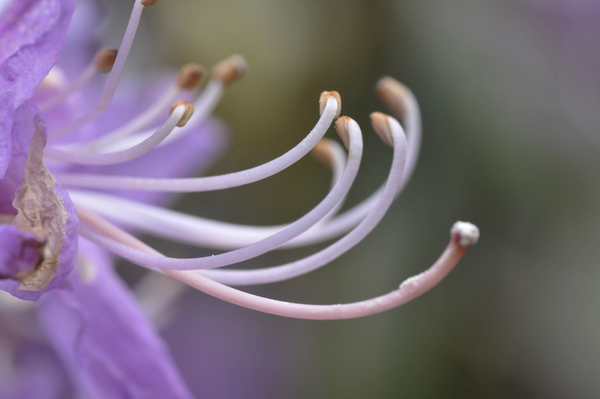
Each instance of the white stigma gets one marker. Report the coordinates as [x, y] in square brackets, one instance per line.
[467, 232]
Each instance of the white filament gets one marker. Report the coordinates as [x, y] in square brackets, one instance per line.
[87, 158]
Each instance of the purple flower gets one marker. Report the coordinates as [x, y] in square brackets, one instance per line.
[58, 128]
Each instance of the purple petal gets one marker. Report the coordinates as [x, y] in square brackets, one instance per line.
[108, 345]
[7, 113]
[44, 208]
[33, 33]
[36, 373]
[20, 251]
[24, 22]
[82, 40]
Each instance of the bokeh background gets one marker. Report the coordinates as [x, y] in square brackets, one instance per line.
[510, 96]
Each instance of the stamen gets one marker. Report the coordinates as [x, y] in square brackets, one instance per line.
[410, 289]
[148, 3]
[189, 77]
[341, 125]
[402, 101]
[332, 155]
[258, 248]
[213, 182]
[323, 257]
[193, 230]
[102, 63]
[228, 236]
[179, 114]
[325, 96]
[113, 78]
[381, 125]
[323, 152]
[231, 69]
[187, 114]
[227, 70]
[104, 60]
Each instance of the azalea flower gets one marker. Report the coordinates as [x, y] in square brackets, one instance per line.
[80, 172]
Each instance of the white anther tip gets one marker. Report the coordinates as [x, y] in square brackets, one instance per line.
[230, 69]
[381, 125]
[190, 76]
[187, 114]
[323, 101]
[467, 233]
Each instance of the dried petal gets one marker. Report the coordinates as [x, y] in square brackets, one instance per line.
[44, 209]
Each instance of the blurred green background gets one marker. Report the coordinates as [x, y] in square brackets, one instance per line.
[510, 93]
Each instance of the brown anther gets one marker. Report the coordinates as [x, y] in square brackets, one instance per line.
[380, 122]
[341, 126]
[322, 152]
[393, 94]
[230, 69]
[190, 76]
[323, 101]
[148, 3]
[105, 59]
[187, 114]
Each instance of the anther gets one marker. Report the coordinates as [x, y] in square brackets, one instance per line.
[190, 76]
[392, 93]
[105, 59]
[148, 3]
[189, 111]
[380, 123]
[323, 101]
[341, 126]
[467, 233]
[322, 152]
[230, 69]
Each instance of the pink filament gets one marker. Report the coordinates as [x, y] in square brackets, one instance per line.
[410, 289]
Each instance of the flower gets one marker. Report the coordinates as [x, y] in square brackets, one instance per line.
[54, 240]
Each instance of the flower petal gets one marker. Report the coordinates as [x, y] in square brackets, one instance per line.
[108, 345]
[44, 209]
[32, 34]
[21, 251]
[36, 373]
